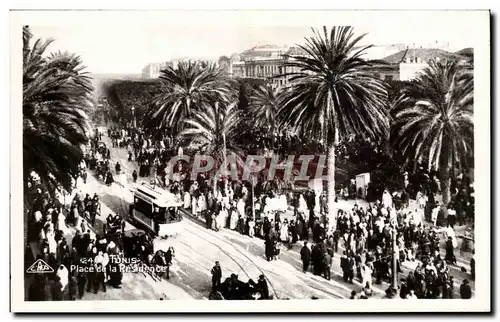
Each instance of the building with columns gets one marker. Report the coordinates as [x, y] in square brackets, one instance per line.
[264, 62]
[403, 63]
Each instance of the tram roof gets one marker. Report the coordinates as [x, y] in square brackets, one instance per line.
[159, 196]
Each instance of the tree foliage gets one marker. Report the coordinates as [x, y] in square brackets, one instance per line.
[192, 86]
[56, 99]
[435, 121]
[333, 88]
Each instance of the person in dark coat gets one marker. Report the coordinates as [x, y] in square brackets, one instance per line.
[305, 256]
[38, 290]
[317, 259]
[100, 279]
[269, 249]
[450, 256]
[56, 289]
[134, 175]
[262, 288]
[293, 230]
[81, 281]
[72, 288]
[216, 276]
[350, 263]
[465, 290]
[343, 265]
[327, 265]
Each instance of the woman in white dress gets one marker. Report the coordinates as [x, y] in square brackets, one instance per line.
[284, 232]
[50, 236]
[194, 205]
[222, 217]
[187, 200]
[61, 222]
[251, 227]
[241, 207]
[302, 204]
[450, 233]
[233, 219]
[202, 203]
[62, 273]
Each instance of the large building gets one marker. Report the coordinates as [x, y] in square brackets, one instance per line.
[409, 63]
[264, 62]
[152, 70]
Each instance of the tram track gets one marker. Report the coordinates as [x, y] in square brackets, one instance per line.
[263, 271]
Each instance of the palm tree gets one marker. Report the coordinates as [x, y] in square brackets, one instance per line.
[333, 94]
[56, 97]
[265, 103]
[213, 132]
[435, 124]
[192, 86]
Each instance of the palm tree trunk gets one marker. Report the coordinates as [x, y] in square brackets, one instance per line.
[446, 181]
[331, 186]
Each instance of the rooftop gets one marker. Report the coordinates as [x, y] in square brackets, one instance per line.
[425, 54]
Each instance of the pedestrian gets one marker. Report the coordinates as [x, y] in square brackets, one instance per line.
[366, 274]
[56, 289]
[305, 256]
[100, 278]
[72, 288]
[81, 281]
[327, 265]
[465, 290]
[450, 256]
[134, 176]
[216, 276]
[262, 288]
[350, 268]
[343, 265]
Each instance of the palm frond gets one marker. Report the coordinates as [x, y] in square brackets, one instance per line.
[331, 88]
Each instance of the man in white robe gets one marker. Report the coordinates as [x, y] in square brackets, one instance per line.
[62, 273]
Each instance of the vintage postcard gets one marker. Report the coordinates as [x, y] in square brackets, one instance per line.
[250, 161]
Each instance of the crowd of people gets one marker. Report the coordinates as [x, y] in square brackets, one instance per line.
[81, 262]
[276, 213]
[365, 238]
[84, 256]
[234, 289]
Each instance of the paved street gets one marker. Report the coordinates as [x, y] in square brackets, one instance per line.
[198, 248]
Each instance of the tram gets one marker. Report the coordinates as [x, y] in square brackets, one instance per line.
[156, 210]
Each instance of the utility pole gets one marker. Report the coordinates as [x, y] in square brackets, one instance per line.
[253, 198]
[394, 258]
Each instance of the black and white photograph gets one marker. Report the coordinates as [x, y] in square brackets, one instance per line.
[272, 156]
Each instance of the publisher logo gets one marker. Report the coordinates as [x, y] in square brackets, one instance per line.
[40, 267]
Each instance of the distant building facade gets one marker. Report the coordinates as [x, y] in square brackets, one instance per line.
[264, 62]
[399, 62]
[151, 71]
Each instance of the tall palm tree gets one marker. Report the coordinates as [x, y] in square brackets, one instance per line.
[265, 103]
[435, 124]
[213, 132]
[333, 94]
[192, 86]
[56, 97]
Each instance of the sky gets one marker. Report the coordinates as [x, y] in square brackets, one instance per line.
[124, 42]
